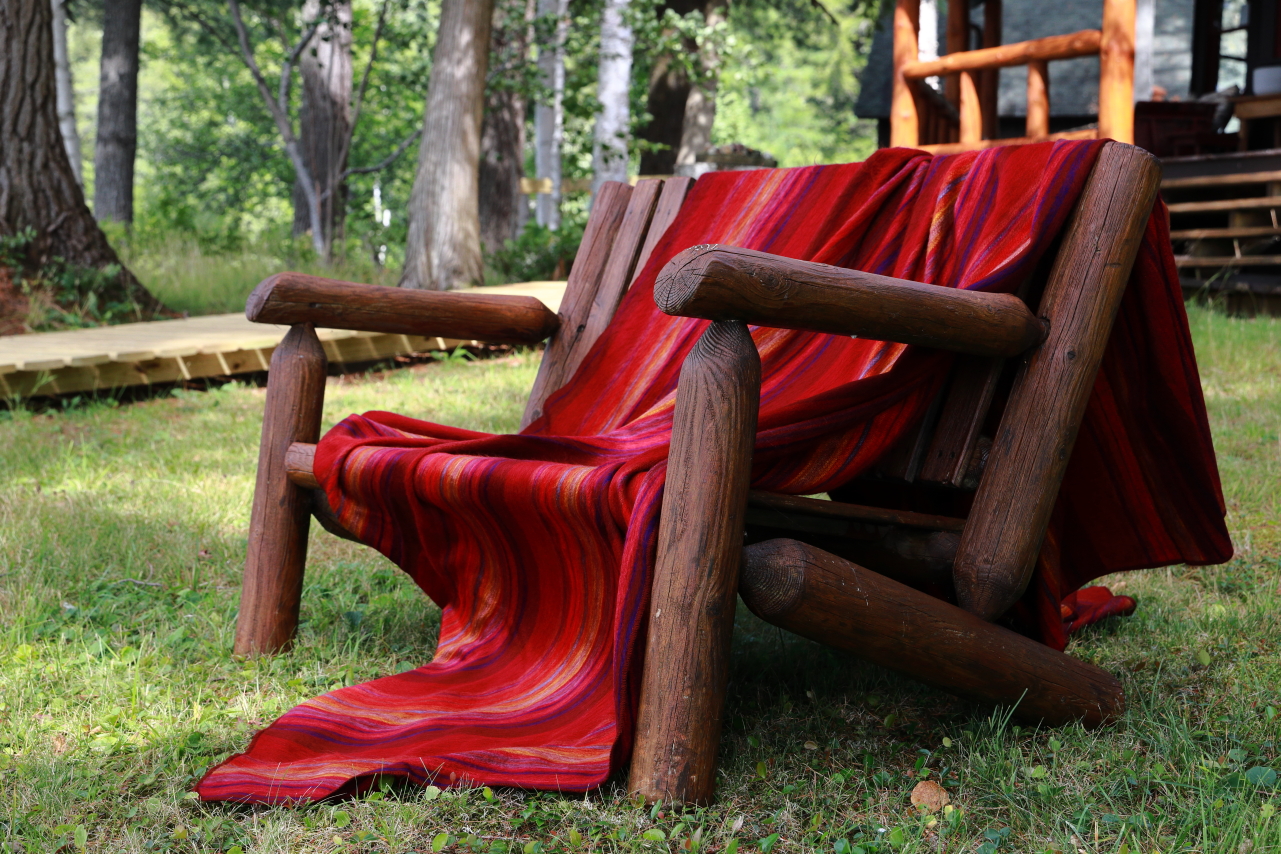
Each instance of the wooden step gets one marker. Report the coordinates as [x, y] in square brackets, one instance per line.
[1220, 180]
[1225, 233]
[1227, 260]
[1226, 205]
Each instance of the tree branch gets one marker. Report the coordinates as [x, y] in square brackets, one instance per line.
[363, 170]
[364, 78]
[287, 69]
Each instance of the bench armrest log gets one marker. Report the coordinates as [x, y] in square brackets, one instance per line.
[824, 598]
[289, 298]
[728, 283]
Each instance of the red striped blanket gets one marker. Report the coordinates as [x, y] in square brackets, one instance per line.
[539, 547]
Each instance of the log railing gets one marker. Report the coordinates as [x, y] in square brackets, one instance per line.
[971, 80]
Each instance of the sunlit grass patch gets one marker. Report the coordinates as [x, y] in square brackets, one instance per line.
[122, 534]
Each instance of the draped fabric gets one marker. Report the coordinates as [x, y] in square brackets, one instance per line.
[539, 547]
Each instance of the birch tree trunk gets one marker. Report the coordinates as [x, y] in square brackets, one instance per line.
[549, 118]
[66, 91]
[502, 135]
[609, 146]
[113, 156]
[325, 118]
[700, 106]
[443, 246]
[38, 189]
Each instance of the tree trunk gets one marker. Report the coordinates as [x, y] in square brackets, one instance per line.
[443, 246]
[325, 119]
[668, 91]
[502, 135]
[613, 84]
[117, 112]
[38, 188]
[549, 118]
[66, 91]
[700, 107]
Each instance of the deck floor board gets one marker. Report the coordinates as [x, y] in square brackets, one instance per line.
[107, 357]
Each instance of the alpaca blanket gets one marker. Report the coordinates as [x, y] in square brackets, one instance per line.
[539, 547]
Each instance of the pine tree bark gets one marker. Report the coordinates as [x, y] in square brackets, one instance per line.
[502, 135]
[443, 246]
[38, 189]
[66, 91]
[613, 85]
[325, 117]
[117, 145]
[549, 118]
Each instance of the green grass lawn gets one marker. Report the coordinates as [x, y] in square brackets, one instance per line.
[122, 532]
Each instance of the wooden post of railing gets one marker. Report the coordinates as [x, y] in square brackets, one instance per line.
[904, 124]
[990, 81]
[1038, 99]
[971, 112]
[956, 40]
[1116, 72]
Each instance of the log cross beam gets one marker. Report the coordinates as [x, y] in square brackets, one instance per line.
[729, 283]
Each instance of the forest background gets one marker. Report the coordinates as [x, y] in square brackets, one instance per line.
[214, 208]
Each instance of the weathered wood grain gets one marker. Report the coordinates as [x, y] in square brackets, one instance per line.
[729, 283]
[1034, 441]
[669, 205]
[968, 398]
[618, 270]
[838, 603]
[272, 585]
[584, 278]
[700, 540]
[289, 298]
[852, 512]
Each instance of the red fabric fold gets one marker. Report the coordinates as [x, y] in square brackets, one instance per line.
[539, 547]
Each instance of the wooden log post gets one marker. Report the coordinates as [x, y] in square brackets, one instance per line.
[730, 283]
[990, 82]
[824, 598]
[1033, 444]
[904, 122]
[1038, 99]
[700, 546]
[971, 110]
[272, 585]
[1116, 71]
[956, 39]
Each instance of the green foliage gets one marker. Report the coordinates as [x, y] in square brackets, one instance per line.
[68, 296]
[13, 249]
[789, 81]
[538, 254]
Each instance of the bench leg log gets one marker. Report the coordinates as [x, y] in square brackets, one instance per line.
[700, 546]
[822, 597]
[272, 585]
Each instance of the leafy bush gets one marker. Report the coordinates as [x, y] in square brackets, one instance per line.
[538, 254]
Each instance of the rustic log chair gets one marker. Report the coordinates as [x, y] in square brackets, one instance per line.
[984, 560]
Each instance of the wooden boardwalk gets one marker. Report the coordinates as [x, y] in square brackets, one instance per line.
[107, 357]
